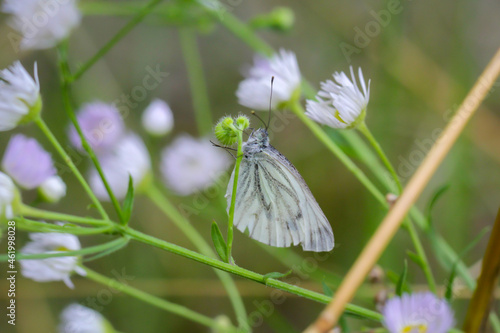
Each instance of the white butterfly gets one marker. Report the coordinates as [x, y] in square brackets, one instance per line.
[273, 201]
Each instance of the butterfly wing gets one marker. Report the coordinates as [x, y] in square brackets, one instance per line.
[274, 203]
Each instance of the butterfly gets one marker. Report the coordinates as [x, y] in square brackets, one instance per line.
[274, 202]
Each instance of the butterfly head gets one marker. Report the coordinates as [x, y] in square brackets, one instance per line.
[257, 142]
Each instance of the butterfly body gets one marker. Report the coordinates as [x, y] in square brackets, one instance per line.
[273, 201]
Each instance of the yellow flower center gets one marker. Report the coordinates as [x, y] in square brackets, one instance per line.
[416, 328]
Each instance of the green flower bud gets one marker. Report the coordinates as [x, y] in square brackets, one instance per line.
[242, 122]
[226, 132]
[280, 19]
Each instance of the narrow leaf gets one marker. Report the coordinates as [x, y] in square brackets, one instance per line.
[326, 289]
[416, 258]
[219, 243]
[276, 275]
[128, 203]
[402, 280]
[437, 195]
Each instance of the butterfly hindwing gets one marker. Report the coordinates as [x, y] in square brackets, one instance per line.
[274, 203]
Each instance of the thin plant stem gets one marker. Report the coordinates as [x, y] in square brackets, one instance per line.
[426, 268]
[245, 273]
[480, 303]
[36, 226]
[199, 94]
[119, 242]
[48, 215]
[163, 304]
[66, 93]
[230, 225]
[366, 132]
[161, 201]
[116, 38]
[299, 111]
[67, 159]
[388, 227]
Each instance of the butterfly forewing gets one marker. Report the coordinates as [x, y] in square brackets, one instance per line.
[274, 203]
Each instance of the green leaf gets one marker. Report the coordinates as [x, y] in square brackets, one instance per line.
[128, 203]
[402, 280]
[416, 259]
[453, 273]
[326, 289]
[437, 195]
[219, 243]
[343, 324]
[275, 275]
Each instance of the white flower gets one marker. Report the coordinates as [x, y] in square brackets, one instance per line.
[20, 97]
[341, 104]
[158, 119]
[189, 165]
[42, 23]
[51, 269]
[7, 196]
[129, 157]
[53, 189]
[77, 318]
[255, 90]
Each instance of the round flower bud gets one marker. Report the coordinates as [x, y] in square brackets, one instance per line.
[242, 122]
[279, 19]
[226, 132]
[52, 189]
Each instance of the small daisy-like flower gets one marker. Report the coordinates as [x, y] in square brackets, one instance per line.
[189, 165]
[254, 91]
[7, 196]
[101, 124]
[418, 313]
[53, 189]
[77, 318]
[20, 100]
[27, 162]
[129, 157]
[340, 104]
[51, 269]
[158, 119]
[42, 24]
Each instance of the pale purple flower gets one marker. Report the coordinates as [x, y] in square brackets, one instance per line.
[158, 118]
[255, 90]
[7, 196]
[19, 96]
[77, 318]
[42, 24]
[419, 312]
[129, 157]
[189, 165]
[27, 162]
[51, 269]
[101, 124]
[340, 104]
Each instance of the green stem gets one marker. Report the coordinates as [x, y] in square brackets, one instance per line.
[66, 87]
[332, 146]
[197, 82]
[194, 236]
[119, 242]
[36, 226]
[245, 273]
[230, 225]
[50, 136]
[366, 132]
[407, 223]
[116, 38]
[150, 299]
[44, 214]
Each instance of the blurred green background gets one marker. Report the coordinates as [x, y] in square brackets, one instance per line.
[421, 65]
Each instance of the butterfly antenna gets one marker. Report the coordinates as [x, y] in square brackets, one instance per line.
[258, 117]
[270, 101]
